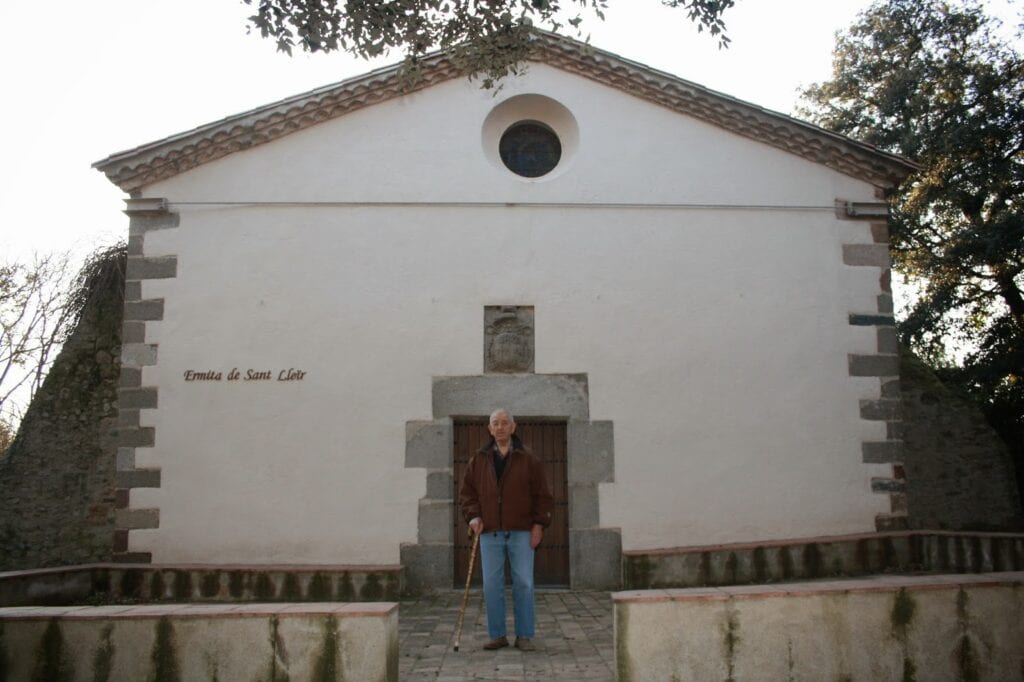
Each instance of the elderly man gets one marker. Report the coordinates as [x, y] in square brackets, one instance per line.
[506, 499]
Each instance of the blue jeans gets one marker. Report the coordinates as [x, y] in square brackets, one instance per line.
[494, 547]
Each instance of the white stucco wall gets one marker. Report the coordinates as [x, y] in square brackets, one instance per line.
[716, 340]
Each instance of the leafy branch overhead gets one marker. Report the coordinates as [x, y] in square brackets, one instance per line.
[943, 83]
[484, 37]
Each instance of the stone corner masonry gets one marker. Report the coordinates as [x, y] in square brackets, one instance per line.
[145, 215]
[885, 365]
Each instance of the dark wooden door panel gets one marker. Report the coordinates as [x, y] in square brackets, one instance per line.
[547, 440]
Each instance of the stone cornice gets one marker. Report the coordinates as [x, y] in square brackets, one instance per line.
[144, 165]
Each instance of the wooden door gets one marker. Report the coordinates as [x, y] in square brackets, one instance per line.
[547, 440]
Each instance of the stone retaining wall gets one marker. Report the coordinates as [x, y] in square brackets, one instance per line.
[120, 583]
[959, 474]
[934, 628]
[329, 641]
[823, 557]
[57, 478]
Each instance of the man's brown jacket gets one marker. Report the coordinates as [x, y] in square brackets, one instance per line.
[521, 499]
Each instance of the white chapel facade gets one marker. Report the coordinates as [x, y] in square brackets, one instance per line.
[675, 291]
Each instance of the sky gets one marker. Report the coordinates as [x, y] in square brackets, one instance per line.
[83, 80]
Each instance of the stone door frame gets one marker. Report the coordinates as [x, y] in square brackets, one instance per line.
[595, 553]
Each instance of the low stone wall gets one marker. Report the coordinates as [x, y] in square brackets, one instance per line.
[330, 641]
[119, 583]
[934, 628]
[823, 557]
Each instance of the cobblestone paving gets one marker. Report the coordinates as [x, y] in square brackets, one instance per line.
[574, 639]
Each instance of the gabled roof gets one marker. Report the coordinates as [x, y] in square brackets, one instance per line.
[135, 168]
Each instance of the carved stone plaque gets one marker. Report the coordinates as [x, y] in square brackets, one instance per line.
[508, 339]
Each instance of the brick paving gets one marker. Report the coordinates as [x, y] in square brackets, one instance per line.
[574, 639]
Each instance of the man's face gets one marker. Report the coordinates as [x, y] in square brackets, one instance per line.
[501, 427]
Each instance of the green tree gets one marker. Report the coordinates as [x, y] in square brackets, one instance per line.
[940, 83]
[488, 37]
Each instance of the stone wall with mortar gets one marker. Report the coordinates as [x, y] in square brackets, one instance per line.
[959, 473]
[57, 478]
[935, 628]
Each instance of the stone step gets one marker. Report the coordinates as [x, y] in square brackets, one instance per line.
[823, 557]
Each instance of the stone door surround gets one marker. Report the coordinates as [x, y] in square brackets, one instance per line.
[595, 553]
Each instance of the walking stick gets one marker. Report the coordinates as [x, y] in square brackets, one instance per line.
[465, 595]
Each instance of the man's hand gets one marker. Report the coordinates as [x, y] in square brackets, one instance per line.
[536, 535]
[477, 525]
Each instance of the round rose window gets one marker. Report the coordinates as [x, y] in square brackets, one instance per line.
[530, 149]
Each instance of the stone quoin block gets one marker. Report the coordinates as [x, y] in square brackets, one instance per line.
[427, 567]
[891, 388]
[591, 452]
[137, 518]
[132, 291]
[128, 419]
[142, 437]
[871, 320]
[583, 506]
[161, 267]
[130, 376]
[138, 355]
[125, 459]
[885, 304]
[874, 365]
[888, 341]
[595, 558]
[887, 485]
[138, 398]
[882, 452]
[133, 332]
[435, 521]
[428, 444]
[149, 309]
[135, 245]
[885, 280]
[880, 233]
[440, 485]
[141, 224]
[880, 410]
[138, 478]
[873, 255]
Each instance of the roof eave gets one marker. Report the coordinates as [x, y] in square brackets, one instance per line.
[135, 168]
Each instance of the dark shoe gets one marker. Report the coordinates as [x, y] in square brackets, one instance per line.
[524, 644]
[499, 643]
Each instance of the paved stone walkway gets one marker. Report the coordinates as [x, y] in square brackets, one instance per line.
[574, 639]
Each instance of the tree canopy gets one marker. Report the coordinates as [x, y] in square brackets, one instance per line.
[941, 83]
[486, 37]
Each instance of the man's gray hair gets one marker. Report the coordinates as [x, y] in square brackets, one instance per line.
[504, 411]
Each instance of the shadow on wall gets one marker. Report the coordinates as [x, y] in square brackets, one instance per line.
[960, 474]
[57, 477]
